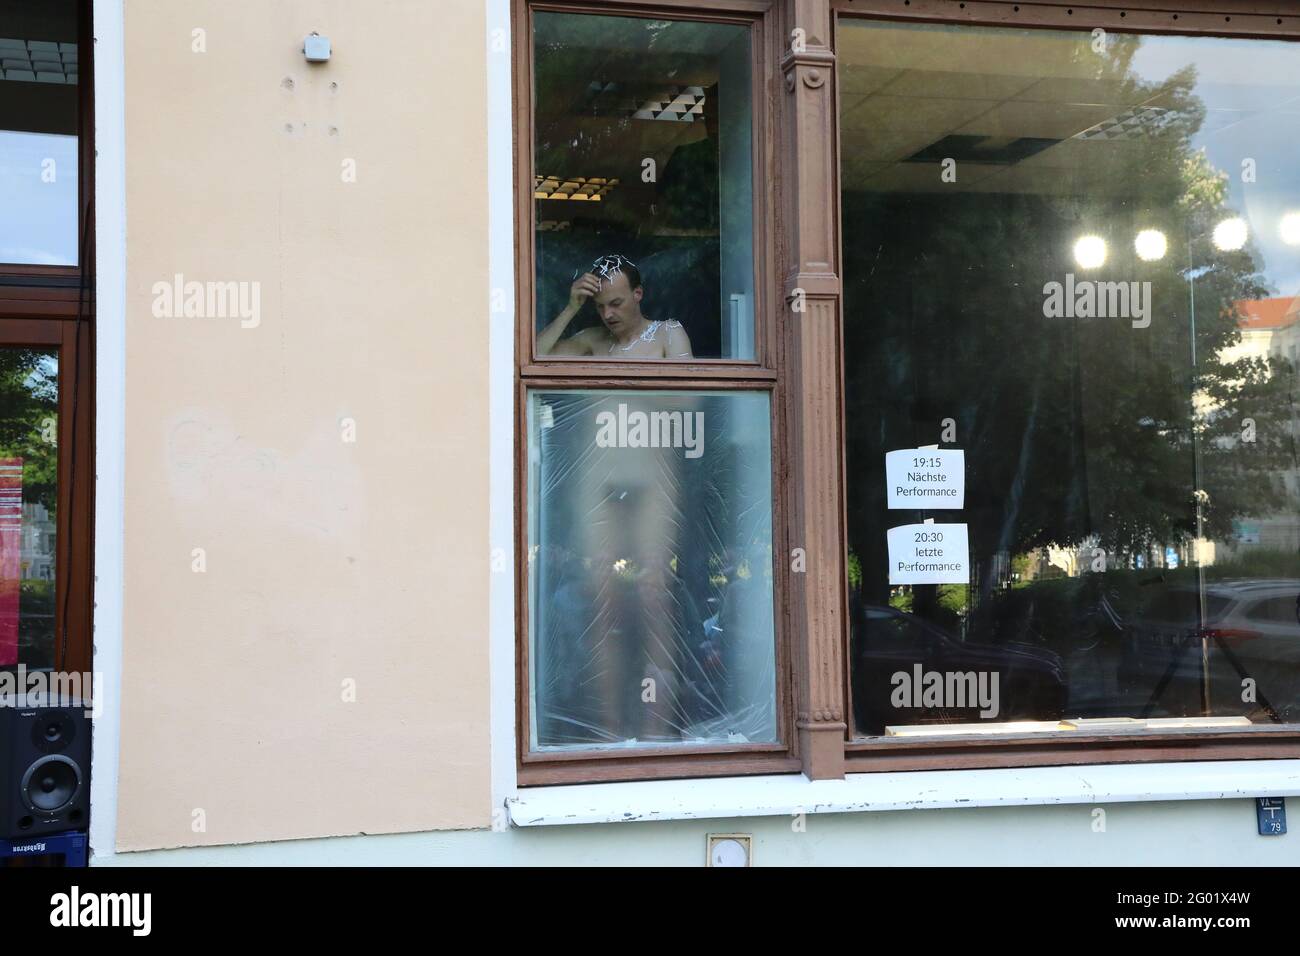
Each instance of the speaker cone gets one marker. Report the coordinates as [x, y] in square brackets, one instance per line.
[51, 784]
[54, 731]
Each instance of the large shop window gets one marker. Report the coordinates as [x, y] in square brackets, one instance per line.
[649, 634]
[1071, 271]
[46, 304]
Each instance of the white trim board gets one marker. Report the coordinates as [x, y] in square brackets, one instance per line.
[794, 794]
[501, 382]
[110, 413]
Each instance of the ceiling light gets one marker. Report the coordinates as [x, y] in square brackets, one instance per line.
[683, 104]
[1289, 228]
[575, 188]
[1151, 245]
[1090, 252]
[38, 61]
[1230, 235]
[1137, 123]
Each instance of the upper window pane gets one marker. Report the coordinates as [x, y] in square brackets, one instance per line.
[38, 133]
[643, 188]
[1071, 274]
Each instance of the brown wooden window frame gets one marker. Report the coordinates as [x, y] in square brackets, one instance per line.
[1247, 18]
[800, 361]
[53, 307]
[760, 374]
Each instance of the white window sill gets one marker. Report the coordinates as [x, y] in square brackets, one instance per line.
[790, 794]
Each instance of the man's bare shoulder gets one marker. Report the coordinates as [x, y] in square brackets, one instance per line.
[677, 344]
[593, 338]
[584, 342]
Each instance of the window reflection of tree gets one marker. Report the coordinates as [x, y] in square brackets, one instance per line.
[1075, 431]
[28, 419]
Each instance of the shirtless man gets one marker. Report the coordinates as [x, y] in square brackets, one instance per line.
[614, 287]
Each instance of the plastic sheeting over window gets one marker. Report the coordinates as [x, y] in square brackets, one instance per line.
[650, 569]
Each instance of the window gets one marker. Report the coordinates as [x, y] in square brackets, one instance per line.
[45, 351]
[1064, 457]
[980, 320]
[29, 390]
[650, 542]
[39, 106]
[643, 155]
[650, 638]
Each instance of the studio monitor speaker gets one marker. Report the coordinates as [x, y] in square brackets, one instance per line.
[44, 767]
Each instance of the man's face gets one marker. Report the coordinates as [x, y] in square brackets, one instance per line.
[618, 304]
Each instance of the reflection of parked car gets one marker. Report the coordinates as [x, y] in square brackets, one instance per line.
[1251, 629]
[1031, 680]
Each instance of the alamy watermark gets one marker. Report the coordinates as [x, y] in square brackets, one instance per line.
[951, 690]
[129, 910]
[1091, 299]
[180, 299]
[45, 688]
[638, 429]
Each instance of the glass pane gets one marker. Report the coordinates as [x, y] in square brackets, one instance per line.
[643, 185]
[1076, 263]
[38, 133]
[650, 551]
[29, 457]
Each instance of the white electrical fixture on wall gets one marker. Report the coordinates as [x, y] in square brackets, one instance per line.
[730, 849]
[316, 48]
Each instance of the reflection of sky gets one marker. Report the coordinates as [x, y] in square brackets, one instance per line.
[38, 220]
[44, 377]
[1251, 89]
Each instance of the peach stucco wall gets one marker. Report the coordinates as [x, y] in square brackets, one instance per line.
[326, 563]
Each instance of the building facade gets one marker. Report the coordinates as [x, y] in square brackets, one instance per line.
[518, 432]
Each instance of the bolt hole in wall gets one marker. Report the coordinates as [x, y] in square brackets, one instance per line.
[1074, 257]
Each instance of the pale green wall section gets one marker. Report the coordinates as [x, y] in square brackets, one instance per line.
[1194, 832]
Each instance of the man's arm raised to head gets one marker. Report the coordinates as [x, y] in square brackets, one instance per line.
[548, 340]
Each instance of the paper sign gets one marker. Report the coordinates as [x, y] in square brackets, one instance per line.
[920, 479]
[929, 554]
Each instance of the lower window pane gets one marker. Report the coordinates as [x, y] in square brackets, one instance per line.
[29, 403]
[650, 569]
